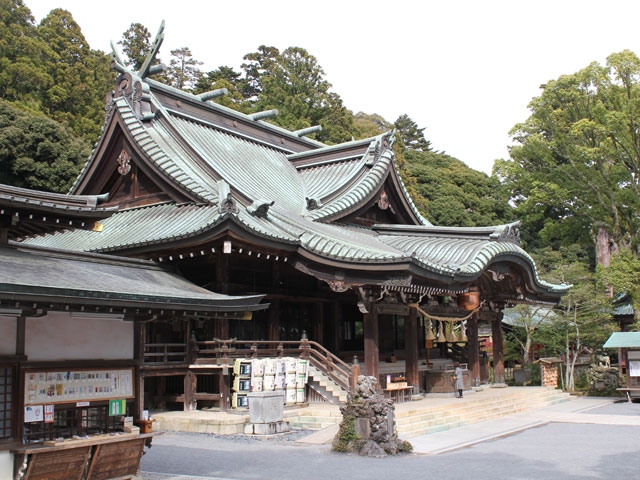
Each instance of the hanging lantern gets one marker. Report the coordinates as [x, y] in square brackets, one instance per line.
[469, 300]
[430, 335]
[441, 338]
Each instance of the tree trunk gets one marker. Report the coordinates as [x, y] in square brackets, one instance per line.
[605, 247]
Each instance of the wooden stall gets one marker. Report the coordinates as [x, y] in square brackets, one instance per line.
[102, 457]
[628, 345]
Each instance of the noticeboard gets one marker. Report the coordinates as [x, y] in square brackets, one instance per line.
[68, 386]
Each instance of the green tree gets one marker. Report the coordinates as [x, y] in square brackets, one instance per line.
[411, 136]
[529, 319]
[80, 77]
[622, 275]
[184, 70]
[257, 66]
[22, 75]
[580, 323]
[293, 83]
[576, 162]
[225, 77]
[454, 194]
[136, 45]
[37, 152]
[370, 125]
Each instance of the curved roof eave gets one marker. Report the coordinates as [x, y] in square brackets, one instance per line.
[381, 165]
[361, 192]
[240, 221]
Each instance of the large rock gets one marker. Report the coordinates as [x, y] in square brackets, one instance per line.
[368, 426]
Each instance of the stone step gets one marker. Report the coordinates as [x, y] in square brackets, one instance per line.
[411, 423]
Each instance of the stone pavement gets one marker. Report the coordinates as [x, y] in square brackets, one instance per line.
[578, 410]
[581, 438]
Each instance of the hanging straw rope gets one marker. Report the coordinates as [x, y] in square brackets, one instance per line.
[443, 319]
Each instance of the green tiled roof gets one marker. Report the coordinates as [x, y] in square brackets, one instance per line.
[623, 340]
[199, 146]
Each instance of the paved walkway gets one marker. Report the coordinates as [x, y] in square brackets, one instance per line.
[580, 438]
[581, 410]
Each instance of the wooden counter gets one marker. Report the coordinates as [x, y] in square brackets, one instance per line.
[101, 457]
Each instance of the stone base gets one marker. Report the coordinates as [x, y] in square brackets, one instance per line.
[498, 385]
[270, 428]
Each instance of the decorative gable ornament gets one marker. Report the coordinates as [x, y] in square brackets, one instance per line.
[227, 203]
[260, 208]
[338, 286]
[383, 201]
[508, 233]
[313, 203]
[124, 163]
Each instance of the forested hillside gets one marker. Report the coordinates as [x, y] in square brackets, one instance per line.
[572, 177]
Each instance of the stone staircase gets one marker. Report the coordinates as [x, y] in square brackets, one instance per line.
[420, 418]
[313, 417]
[434, 413]
[325, 388]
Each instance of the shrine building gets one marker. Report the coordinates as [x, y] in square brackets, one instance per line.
[325, 235]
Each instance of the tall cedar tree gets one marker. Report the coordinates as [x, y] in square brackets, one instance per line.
[23, 76]
[293, 83]
[136, 45]
[78, 75]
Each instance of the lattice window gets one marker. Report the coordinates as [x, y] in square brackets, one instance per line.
[6, 401]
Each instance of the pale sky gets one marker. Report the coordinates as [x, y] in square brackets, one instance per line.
[464, 70]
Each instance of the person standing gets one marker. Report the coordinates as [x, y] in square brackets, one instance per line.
[458, 382]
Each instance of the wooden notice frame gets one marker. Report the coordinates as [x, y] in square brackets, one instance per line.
[71, 386]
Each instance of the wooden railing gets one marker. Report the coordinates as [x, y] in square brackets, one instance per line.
[224, 353]
[163, 353]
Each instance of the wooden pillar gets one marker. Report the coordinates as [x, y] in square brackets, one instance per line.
[411, 348]
[224, 387]
[139, 329]
[190, 389]
[21, 334]
[474, 349]
[337, 329]
[498, 349]
[371, 353]
[221, 325]
[274, 320]
[317, 335]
